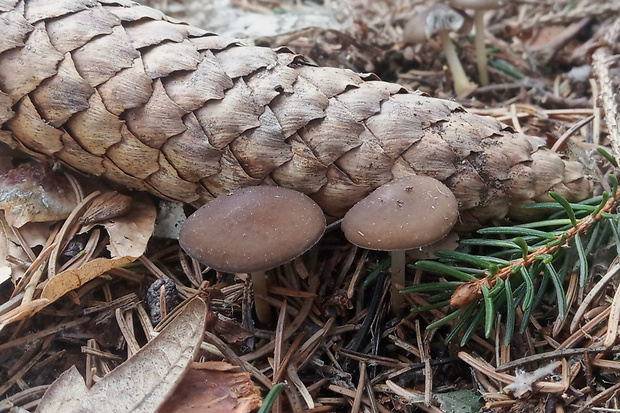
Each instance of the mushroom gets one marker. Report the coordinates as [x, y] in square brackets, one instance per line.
[253, 230]
[406, 213]
[479, 7]
[440, 19]
[448, 243]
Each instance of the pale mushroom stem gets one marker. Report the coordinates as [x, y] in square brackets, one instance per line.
[461, 81]
[398, 278]
[481, 51]
[263, 310]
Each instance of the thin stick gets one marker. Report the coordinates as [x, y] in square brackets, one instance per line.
[570, 132]
[601, 62]
[585, 304]
[359, 392]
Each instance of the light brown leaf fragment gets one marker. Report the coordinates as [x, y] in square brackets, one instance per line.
[72, 279]
[131, 231]
[128, 238]
[229, 329]
[614, 319]
[33, 192]
[213, 387]
[144, 381]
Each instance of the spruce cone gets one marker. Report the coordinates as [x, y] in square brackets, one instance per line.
[119, 90]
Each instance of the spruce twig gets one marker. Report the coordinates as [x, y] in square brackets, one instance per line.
[472, 290]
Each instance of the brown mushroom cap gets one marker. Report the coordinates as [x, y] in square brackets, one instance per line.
[253, 229]
[406, 213]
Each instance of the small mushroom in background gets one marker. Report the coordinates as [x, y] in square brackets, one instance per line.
[406, 213]
[253, 230]
[440, 19]
[479, 7]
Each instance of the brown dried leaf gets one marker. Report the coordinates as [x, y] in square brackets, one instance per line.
[129, 235]
[144, 381]
[108, 205]
[229, 329]
[34, 233]
[72, 279]
[33, 192]
[213, 387]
